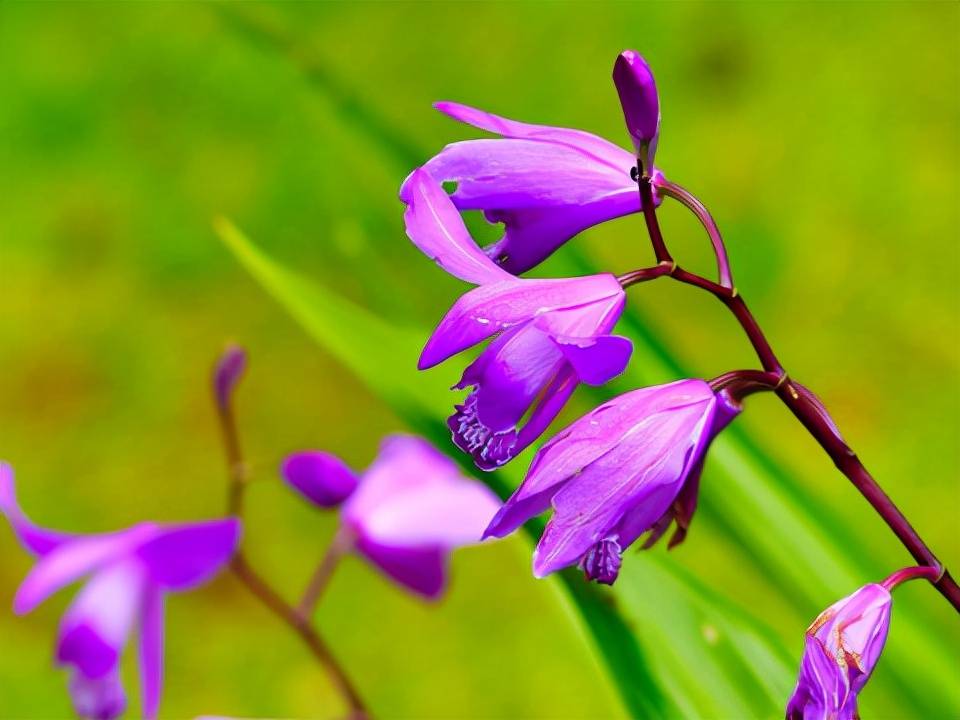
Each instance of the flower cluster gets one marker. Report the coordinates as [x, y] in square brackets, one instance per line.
[632, 466]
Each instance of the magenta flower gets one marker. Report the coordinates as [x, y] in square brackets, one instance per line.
[552, 334]
[127, 574]
[842, 647]
[410, 509]
[615, 473]
[545, 184]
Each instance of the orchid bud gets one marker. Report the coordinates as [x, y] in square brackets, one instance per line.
[227, 374]
[641, 106]
[842, 648]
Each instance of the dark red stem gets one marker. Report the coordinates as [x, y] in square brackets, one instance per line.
[806, 408]
[261, 589]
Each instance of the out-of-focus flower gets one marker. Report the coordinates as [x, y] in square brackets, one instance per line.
[410, 509]
[640, 103]
[614, 473]
[127, 574]
[842, 647]
[552, 334]
[227, 373]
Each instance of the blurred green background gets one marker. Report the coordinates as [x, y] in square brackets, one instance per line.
[825, 138]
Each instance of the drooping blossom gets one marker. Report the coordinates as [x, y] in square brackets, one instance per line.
[616, 473]
[409, 510]
[546, 184]
[551, 334]
[842, 647]
[127, 573]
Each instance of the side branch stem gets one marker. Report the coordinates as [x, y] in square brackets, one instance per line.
[261, 589]
[302, 626]
[806, 409]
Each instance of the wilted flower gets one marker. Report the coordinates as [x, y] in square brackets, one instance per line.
[545, 184]
[128, 571]
[553, 334]
[842, 647]
[612, 474]
[410, 509]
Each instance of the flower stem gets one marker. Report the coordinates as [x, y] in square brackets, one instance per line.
[303, 627]
[237, 477]
[340, 545]
[912, 573]
[807, 411]
[706, 219]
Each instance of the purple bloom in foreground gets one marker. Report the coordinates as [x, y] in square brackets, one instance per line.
[545, 184]
[411, 507]
[640, 103]
[842, 647]
[127, 573]
[616, 473]
[552, 334]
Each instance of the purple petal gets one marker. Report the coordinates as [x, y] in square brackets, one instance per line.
[857, 626]
[532, 234]
[822, 689]
[72, 559]
[36, 539]
[181, 557]
[601, 150]
[413, 496]
[582, 442]
[227, 373]
[95, 628]
[635, 482]
[544, 193]
[97, 699]
[322, 478]
[435, 226]
[641, 106]
[545, 184]
[511, 373]
[422, 570]
[151, 650]
[490, 449]
[588, 301]
[596, 360]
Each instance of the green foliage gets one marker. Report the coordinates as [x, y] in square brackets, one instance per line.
[125, 128]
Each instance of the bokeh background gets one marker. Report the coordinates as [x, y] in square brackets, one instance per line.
[824, 137]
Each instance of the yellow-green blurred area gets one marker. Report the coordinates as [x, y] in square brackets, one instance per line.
[823, 137]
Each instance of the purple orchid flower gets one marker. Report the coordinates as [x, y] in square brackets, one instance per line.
[616, 473]
[409, 510]
[553, 334]
[842, 647]
[128, 572]
[547, 184]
